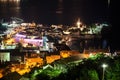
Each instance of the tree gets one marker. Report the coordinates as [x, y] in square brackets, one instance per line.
[12, 76]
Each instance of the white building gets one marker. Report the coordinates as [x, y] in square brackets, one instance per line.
[4, 56]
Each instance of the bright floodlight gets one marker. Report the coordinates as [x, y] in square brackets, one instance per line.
[104, 65]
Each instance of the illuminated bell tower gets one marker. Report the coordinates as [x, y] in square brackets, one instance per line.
[78, 23]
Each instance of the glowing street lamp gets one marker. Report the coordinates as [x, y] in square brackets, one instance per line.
[104, 66]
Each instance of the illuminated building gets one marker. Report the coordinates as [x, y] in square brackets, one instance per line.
[4, 56]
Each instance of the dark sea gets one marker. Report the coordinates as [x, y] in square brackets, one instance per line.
[65, 12]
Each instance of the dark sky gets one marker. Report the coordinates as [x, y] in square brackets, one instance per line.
[68, 10]
[87, 10]
[114, 13]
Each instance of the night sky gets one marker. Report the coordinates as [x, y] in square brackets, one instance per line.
[88, 11]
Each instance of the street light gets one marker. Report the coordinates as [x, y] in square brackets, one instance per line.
[104, 66]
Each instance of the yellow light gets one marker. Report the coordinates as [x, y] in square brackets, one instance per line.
[78, 23]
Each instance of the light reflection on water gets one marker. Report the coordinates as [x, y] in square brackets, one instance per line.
[9, 0]
[9, 8]
[31, 11]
